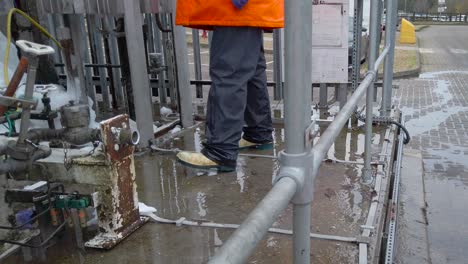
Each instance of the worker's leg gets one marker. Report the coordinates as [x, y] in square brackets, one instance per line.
[234, 56]
[257, 114]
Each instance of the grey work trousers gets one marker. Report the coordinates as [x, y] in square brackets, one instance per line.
[238, 100]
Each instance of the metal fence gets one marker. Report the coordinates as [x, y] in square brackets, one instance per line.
[435, 17]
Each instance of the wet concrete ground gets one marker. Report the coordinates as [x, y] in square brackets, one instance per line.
[435, 107]
[339, 208]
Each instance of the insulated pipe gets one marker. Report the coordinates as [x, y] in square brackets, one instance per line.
[11, 165]
[244, 240]
[374, 31]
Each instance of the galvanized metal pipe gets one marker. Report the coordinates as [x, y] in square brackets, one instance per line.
[301, 230]
[138, 71]
[374, 31]
[298, 66]
[244, 240]
[390, 35]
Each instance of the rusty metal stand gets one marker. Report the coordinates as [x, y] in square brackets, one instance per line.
[117, 209]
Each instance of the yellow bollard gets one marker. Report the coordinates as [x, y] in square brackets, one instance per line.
[407, 32]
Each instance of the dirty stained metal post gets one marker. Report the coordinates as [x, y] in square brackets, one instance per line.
[374, 31]
[138, 70]
[390, 36]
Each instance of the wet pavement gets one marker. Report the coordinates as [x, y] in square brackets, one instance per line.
[435, 108]
[340, 207]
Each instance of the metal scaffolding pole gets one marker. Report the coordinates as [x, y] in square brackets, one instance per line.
[138, 71]
[374, 38]
[390, 35]
[298, 66]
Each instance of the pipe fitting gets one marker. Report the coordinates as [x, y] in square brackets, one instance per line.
[125, 136]
[297, 167]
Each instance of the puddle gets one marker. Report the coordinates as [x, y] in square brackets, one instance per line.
[444, 96]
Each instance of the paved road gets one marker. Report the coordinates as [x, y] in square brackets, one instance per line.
[435, 107]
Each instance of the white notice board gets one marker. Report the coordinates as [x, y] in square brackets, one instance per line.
[330, 41]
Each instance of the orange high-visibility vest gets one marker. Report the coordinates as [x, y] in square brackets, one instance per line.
[205, 14]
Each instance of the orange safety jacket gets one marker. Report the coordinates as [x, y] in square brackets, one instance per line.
[206, 14]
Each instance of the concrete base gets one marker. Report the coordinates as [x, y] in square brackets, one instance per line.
[412, 241]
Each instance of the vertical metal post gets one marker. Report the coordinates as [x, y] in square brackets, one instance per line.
[379, 41]
[169, 60]
[323, 97]
[158, 49]
[197, 61]
[342, 93]
[96, 37]
[149, 24]
[51, 27]
[89, 74]
[79, 43]
[183, 74]
[278, 69]
[109, 25]
[298, 36]
[138, 70]
[390, 35]
[374, 31]
[357, 28]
